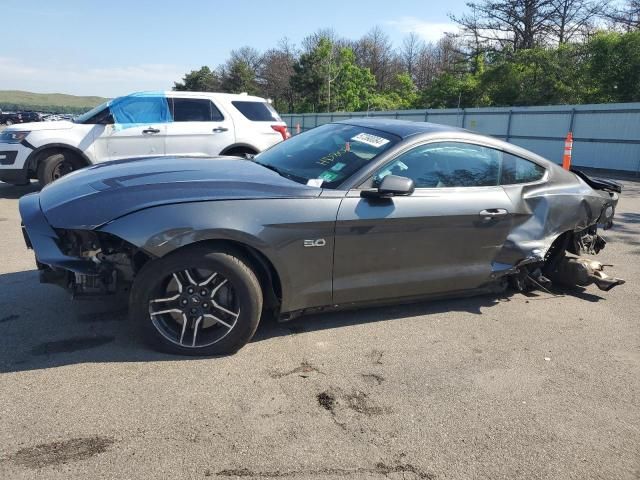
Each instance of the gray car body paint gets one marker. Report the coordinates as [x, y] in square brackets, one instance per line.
[429, 243]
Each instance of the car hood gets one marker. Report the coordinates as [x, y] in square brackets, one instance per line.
[93, 196]
[42, 126]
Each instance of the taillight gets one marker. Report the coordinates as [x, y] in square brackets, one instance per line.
[282, 129]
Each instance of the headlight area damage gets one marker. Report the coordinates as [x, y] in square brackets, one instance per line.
[113, 263]
[545, 245]
[85, 262]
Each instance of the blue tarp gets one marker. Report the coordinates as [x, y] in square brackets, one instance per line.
[140, 109]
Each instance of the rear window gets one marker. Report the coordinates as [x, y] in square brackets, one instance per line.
[518, 170]
[257, 111]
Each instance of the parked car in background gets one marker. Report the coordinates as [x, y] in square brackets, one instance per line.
[355, 212]
[10, 118]
[140, 125]
[29, 116]
[7, 118]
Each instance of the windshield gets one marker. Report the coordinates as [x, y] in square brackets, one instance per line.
[327, 155]
[87, 115]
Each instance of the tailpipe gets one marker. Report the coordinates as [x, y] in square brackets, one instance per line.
[572, 271]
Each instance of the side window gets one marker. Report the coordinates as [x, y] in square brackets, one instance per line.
[257, 111]
[140, 109]
[518, 170]
[194, 110]
[216, 115]
[103, 117]
[447, 164]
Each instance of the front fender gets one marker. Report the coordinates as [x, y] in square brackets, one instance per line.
[277, 228]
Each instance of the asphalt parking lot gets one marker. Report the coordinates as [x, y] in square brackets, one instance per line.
[515, 386]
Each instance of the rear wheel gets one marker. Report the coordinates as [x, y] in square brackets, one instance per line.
[8, 123]
[197, 302]
[240, 152]
[57, 165]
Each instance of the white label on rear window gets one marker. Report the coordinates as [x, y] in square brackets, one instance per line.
[369, 139]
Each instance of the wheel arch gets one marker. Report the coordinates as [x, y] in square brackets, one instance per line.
[39, 153]
[243, 147]
[267, 274]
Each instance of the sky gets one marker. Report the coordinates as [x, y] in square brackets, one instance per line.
[113, 47]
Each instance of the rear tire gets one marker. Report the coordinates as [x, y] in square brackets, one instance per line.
[8, 123]
[57, 165]
[239, 152]
[199, 301]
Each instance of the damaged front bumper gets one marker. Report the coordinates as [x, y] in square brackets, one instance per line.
[45, 242]
[79, 275]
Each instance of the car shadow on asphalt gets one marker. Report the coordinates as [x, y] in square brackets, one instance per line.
[13, 192]
[40, 327]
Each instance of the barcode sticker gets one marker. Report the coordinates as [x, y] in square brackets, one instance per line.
[369, 139]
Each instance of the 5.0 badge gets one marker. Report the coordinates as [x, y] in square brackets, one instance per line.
[318, 242]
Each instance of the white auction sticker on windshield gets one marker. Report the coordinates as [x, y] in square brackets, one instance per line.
[369, 139]
[315, 182]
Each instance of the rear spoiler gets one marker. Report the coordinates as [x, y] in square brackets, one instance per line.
[599, 183]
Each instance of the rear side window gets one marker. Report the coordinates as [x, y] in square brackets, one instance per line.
[194, 110]
[518, 170]
[257, 111]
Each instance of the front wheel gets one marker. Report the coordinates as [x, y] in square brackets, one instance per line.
[8, 123]
[55, 166]
[197, 302]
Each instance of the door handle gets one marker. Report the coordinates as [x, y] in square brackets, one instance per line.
[220, 129]
[493, 212]
[151, 130]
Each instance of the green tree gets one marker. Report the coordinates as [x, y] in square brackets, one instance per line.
[400, 94]
[239, 77]
[353, 85]
[451, 91]
[327, 78]
[331, 73]
[307, 80]
[612, 70]
[203, 80]
[535, 76]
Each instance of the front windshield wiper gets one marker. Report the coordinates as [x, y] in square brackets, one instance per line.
[270, 167]
[282, 173]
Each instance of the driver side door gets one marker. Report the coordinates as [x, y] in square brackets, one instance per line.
[442, 238]
[140, 127]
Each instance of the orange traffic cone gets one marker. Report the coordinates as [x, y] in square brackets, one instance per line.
[568, 147]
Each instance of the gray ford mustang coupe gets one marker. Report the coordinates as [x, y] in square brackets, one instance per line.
[351, 213]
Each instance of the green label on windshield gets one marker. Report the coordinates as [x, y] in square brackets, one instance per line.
[328, 176]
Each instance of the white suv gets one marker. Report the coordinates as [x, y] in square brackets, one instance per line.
[140, 125]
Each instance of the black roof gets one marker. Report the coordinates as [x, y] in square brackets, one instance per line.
[401, 128]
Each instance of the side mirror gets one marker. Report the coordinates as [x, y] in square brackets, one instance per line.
[390, 186]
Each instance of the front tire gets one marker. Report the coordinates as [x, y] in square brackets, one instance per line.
[55, 166]
[8, 123]
[198, 301]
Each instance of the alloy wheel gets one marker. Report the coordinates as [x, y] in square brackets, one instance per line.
[194, 308]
